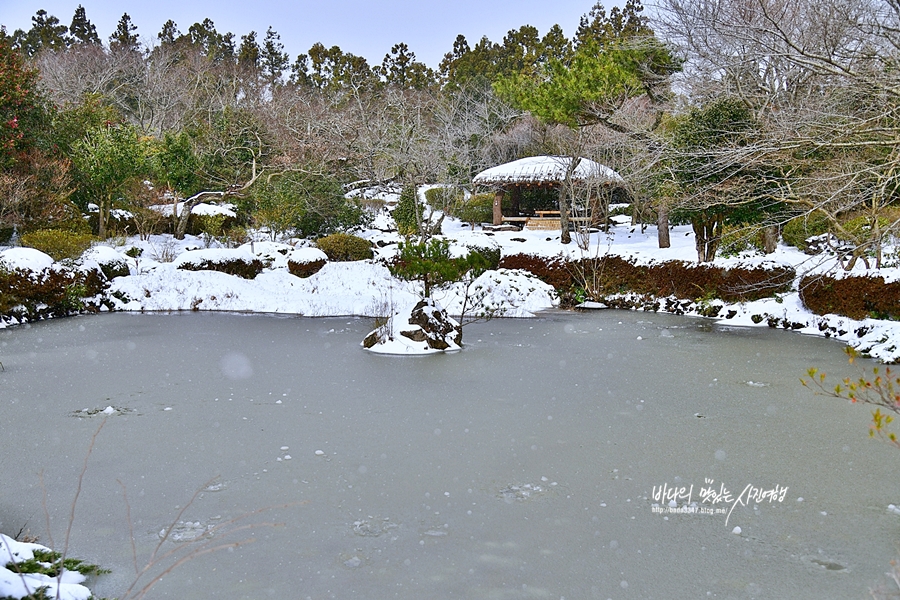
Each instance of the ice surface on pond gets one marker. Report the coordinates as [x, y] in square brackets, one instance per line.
[373, 526]
[189, 531]
[517, 467]
[519, 492]
[236, 365]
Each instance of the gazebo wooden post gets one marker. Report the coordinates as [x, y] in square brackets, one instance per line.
[498, 206]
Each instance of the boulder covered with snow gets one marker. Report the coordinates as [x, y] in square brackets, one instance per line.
[424, 329]
[27, 259]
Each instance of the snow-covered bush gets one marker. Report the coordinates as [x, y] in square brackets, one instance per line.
[107, 260]
[28, 259]
[236, 261]
[304, 262]
[33, 287]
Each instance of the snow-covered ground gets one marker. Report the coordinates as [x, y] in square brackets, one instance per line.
[367, 287]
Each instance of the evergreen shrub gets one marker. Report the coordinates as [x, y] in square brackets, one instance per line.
[479, 208]
[238, 264]
[408, 212]
[491, 255]
[799, 229]
[737, 239]
[305, 269]
[345, 247]
[27, 296]
[58, 243]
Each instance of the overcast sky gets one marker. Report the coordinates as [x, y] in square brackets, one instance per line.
[368, 29]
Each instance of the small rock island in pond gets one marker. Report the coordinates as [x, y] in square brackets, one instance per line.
[425, 329]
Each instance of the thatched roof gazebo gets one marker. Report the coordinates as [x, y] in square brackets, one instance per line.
[544, 171]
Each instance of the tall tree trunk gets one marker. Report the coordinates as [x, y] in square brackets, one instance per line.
[102, 218]
[707, 234]
[662, 225]
[770, 239]
[564, 235]
[182, 223]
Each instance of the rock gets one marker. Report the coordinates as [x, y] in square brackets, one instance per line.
[434, 326]
[424, 329]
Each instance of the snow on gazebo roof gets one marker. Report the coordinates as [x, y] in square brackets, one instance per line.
[544, 169]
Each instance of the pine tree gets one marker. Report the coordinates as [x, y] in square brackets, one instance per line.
[249, 52]
[212, 44]
[400, 68]
[46, 33]
[169, 33]
[300, 71]
[82, 31]
[601, 29]
[273, 57]
[124, 37]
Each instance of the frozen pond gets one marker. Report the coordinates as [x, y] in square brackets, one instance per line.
[522, 467]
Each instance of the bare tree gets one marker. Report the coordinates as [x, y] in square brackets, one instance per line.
[821, 78]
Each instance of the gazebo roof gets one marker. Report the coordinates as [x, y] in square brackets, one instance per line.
[544, 169]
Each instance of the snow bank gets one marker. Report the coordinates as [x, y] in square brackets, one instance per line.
[353, 288]
[502, 293]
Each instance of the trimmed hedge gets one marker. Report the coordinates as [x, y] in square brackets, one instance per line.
[552, 270]
[854, 297]
[672, 278]
[305, 269]
[690, 280]
[232, 266]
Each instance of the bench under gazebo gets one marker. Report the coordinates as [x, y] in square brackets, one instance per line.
[541, 172]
